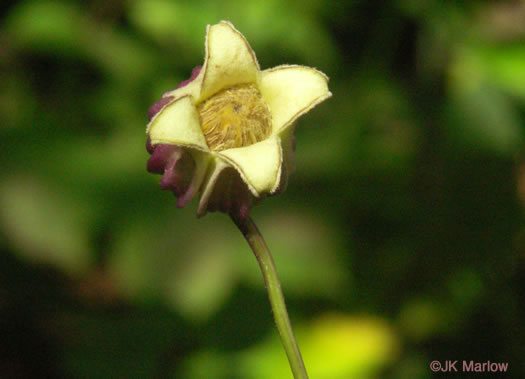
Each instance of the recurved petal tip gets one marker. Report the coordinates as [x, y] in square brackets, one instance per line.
[194, 73]
[156, 107]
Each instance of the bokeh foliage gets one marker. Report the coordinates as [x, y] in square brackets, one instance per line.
[399, 241]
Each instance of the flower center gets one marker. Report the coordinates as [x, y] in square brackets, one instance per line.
[235, 117]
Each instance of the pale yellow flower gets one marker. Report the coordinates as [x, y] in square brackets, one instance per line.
[229, 131]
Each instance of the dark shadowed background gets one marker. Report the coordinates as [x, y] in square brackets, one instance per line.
[400, 239]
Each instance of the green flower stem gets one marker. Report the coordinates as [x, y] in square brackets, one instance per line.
[273, 286]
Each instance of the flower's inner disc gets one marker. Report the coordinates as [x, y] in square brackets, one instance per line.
[235, 117]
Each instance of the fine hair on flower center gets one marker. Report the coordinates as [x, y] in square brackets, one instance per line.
[235, 117]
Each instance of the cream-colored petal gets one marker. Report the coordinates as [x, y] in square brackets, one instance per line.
[259, 164]
[177, 123]
[192, 89]
[291, 91]
[229, 60]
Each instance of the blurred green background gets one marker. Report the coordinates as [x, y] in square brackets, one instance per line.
[400, 239]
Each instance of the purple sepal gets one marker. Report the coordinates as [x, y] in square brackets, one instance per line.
[160, 155]
[177, 168]
[178, 172]
[149, 146]
[231, 195]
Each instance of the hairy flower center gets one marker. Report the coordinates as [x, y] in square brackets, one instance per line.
[235, 117]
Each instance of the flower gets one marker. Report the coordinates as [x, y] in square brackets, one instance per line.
[227, 132]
